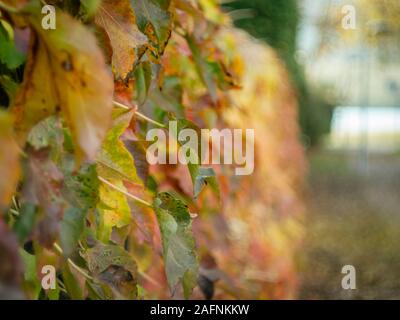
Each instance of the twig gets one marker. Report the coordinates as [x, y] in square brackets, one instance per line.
[147, 204]
[140, 115]
[77, 268]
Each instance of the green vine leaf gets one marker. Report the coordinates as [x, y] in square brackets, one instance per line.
[179, 253]
[9, 55]
[113, 266]
[201, 176]
[72, 226]
[154, 20]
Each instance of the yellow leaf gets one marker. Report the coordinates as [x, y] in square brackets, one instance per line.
[113, 208]
[83, 84]
[67, 71]
[114, 161]
[34, 101]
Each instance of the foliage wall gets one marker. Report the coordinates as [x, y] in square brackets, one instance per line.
[277, 23]
[77, 192]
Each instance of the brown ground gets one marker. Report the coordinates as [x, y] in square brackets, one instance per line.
[354, 218]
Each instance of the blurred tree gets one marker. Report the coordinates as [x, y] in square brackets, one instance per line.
[276, 22]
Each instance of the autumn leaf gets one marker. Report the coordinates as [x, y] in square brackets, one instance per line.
[203, 176]
[154, 20]
[114, 266]
[66, 70]
[118, 20]
[113, 208]
[34, 101]
[180, 258]
[85, 202]
[114, 161]
[9, 55]
[81, 188]
[9, 160]
[43, 189]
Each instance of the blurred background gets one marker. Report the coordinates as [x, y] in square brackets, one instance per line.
[343, 60]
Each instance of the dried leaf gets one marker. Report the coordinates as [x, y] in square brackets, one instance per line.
[118, 20]
[9, 161]
[43, 188]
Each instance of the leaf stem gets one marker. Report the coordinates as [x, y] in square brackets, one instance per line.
[139, 114]
[147, 204]
[8, 8]
[148, 278]
[77, 268]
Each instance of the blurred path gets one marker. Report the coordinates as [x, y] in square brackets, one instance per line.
[354, 218]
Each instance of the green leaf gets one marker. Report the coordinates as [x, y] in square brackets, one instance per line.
[42, 187]
[143, 81]
[54, 294]
[81, 189]
[180, 259]
[71, 284]
[9, 86]
[101, 256]
[48, 133]
[88, 8]
[24, 225]
[203, 68]
[30, 276]
[9, 55]
[114, 266]
[155, 21]
[72, 226]
[201, 176]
